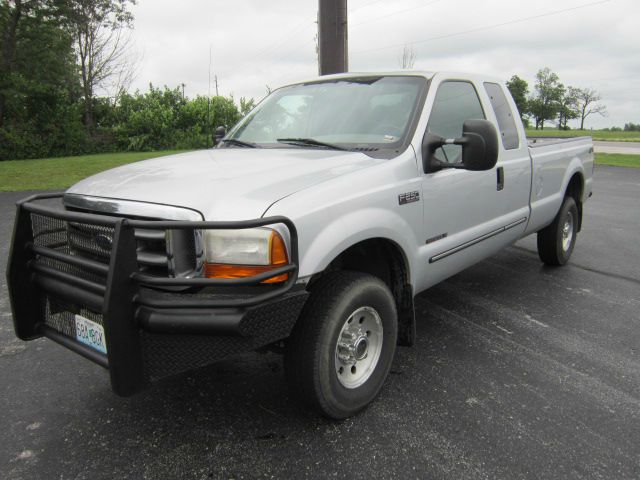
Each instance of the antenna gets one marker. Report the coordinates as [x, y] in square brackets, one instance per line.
[209, 100]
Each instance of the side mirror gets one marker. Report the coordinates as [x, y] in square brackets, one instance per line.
[219, 135]
[479, 143]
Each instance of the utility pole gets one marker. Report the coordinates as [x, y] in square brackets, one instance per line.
[333, 52]
[216, 80]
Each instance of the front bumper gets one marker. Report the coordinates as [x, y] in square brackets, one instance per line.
[151, 331]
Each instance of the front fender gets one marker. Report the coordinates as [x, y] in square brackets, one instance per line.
[352, 228]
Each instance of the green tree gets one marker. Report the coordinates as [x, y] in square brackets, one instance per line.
[246, 105]
[519, 89]
[38, 83]
[545, 103]
[568, 107]
[101, 43]
[588, 102]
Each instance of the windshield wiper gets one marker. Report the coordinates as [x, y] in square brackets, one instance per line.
[239, 143]
[310, 142]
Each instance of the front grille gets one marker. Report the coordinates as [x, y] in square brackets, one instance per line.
[160, 253]
[72, 239]
[63, 237]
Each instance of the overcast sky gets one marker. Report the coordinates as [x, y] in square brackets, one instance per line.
[256, 43]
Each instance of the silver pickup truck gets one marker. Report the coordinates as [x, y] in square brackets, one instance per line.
[309, 229]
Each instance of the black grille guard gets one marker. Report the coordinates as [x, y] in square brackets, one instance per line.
[124, 299]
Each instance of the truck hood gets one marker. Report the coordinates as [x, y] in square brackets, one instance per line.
[223, 184]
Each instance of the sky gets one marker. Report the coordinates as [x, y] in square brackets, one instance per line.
[260, 44]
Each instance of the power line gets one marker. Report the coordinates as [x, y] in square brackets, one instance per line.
[381, 17]
[486, 27]
[365, 5]
[282, 40]
[249, 62]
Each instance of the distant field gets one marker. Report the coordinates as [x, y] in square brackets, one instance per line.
[618, 160]
[601, 135]
[59, 173]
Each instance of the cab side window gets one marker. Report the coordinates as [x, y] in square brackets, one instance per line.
[506, 123]
[456, 101]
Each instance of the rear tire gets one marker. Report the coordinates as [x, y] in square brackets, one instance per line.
[342, 347]
[556, 241]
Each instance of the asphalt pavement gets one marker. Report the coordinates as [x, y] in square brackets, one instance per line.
[520, 371]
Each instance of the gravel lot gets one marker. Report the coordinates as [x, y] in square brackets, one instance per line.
[520, 371]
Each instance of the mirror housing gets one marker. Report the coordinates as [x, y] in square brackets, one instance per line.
[479, 143]
[219, 135]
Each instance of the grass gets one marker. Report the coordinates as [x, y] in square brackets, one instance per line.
[600, 135]
[618, 160]
[62, 172]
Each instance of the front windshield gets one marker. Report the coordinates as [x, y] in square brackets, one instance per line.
[352, 113]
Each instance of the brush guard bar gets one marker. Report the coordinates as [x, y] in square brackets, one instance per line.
[136, 307]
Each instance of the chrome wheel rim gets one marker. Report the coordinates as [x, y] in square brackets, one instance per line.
[567, 232]
[358, 347]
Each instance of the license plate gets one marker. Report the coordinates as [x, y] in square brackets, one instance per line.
[90, 333]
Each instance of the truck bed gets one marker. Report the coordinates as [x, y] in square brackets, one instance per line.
[549, 156]
[535, 142]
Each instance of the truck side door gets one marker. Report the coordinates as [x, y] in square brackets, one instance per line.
[514, 162]
[463, 210]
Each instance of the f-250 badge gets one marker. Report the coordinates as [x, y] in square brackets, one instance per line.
[408, 197]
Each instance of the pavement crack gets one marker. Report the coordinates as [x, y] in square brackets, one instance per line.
[606, 274]
[588, 269]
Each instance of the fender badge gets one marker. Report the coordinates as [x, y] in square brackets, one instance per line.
[408, 197]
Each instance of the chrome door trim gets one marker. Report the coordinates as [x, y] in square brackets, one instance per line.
[476, 240]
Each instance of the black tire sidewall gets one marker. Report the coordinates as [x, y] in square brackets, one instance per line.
[569, 205]
[368, 292]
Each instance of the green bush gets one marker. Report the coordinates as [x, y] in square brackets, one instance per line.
[162, 118]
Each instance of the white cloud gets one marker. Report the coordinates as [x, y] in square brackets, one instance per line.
[257, 43]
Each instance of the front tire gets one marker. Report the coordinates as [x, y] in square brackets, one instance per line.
[342, 347]
[556, 241]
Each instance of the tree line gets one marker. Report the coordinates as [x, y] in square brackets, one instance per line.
[553, 101]
[65, 68]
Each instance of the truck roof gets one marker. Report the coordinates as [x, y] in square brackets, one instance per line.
[412, 73]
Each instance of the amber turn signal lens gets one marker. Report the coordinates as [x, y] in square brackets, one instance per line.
[278, 250]
[216, 270]
[278, 257]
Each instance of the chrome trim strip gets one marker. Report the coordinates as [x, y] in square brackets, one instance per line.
[475, 241]
[515, 224]
[130, 208]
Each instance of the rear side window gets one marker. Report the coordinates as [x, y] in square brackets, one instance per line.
[455, 102]
[504, 115]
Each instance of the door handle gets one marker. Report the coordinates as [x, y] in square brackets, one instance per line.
[500, 174]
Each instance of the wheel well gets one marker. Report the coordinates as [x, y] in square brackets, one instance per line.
[384, 259]
[574, 190]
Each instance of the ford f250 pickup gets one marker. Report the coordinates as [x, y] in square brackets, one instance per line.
[309, 228]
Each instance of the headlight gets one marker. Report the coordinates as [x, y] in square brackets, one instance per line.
[244, 253]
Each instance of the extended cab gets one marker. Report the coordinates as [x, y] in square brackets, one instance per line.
[309, 228]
